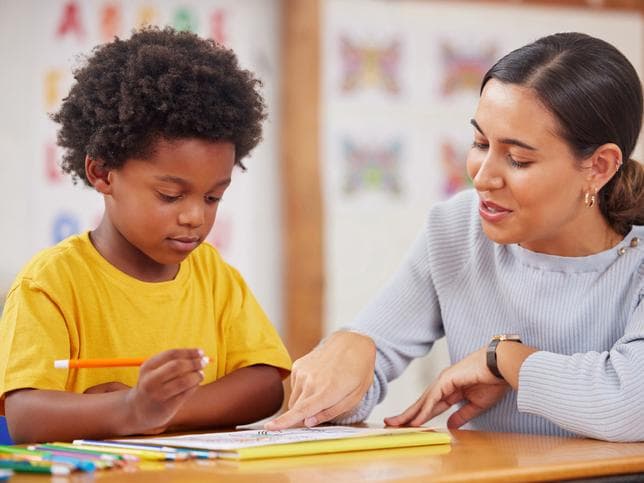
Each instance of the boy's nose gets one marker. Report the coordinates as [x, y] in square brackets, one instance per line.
[192, 216]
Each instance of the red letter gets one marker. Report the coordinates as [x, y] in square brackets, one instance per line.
[70, 21]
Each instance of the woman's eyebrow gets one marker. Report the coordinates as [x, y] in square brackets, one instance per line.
[514, 142]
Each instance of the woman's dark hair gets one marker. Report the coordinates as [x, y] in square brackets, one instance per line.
[596, 96]
[158, 84]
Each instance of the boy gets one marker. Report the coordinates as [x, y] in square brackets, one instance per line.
[155, 124]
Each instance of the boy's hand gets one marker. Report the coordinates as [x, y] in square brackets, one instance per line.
[165, 382]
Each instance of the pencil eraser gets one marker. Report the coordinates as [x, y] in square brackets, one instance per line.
[61, 364]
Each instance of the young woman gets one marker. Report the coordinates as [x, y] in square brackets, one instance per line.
[535, 277]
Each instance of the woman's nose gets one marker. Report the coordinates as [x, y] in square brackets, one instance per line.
[488, 176]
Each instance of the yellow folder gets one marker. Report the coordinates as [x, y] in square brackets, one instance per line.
[402, 440]
[257, 443]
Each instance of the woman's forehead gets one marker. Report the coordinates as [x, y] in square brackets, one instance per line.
[509, 109]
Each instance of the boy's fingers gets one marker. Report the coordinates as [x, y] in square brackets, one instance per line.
[170, 355]
[180, 384]
[166, 367]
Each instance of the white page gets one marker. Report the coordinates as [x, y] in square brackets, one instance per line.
[251, 438]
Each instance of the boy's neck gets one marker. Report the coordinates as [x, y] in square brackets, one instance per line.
[126, 257]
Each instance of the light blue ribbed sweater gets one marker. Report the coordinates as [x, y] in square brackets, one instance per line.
[585, 315]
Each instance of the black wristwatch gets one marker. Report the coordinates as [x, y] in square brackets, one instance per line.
[491, 351]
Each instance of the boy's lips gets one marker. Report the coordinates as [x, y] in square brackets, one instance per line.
[493, 212]
[184, 244]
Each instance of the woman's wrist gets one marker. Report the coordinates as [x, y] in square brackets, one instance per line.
[510, 356]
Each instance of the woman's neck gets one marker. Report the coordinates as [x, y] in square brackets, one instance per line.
[578, 240]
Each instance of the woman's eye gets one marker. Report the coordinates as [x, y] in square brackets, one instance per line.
[478, 145]
[517, 164]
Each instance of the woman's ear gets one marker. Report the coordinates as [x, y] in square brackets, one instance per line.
[604, 163]
[98, 175]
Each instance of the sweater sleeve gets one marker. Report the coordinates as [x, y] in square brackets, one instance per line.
[404, 319]
[593, 394]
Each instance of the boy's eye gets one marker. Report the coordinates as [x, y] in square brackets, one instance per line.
[169, 198]
[212, 199]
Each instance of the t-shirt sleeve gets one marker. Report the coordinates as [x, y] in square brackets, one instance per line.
[250, 337]
[33, 334]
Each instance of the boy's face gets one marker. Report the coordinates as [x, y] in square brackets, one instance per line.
[164, 206]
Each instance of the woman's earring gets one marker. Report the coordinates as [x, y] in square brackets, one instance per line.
[589, 199]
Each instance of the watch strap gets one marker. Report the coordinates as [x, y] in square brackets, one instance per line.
[490, 353]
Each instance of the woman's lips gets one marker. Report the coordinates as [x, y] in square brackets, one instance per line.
[492, 212]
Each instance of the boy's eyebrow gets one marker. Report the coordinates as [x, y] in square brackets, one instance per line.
[183, 182]
[514, 142]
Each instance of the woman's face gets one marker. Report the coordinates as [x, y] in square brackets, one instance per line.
[530, 190]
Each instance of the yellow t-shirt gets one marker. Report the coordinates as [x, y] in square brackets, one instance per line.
[71, 303]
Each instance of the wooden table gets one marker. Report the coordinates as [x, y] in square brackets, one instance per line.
[472, 457]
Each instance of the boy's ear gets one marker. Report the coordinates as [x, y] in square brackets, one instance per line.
[98, 175]
[604, 163]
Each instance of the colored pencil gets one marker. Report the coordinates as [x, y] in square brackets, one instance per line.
[187, 452]
[109, 460]
[89, 363]
[21, 466]
[97, 363]
[84, 449]
[37, 456]
[83, 461]
[143, 454]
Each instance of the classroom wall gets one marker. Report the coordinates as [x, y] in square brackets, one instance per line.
[400, 84]
[40, 42]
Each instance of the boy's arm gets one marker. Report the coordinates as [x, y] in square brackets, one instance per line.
[35, 415]
[244, 396]
[166, 382]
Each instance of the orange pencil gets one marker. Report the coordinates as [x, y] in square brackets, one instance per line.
[87, 363]
[115, 362]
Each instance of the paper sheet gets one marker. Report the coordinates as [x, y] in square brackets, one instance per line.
[252, 438]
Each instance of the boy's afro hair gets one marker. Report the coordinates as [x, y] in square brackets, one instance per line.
[159, 83]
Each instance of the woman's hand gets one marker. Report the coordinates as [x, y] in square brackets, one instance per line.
[165, 382]
[469, 380]
[329, 381]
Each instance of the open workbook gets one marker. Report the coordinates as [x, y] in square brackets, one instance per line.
[257, 443]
